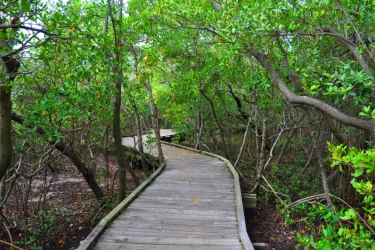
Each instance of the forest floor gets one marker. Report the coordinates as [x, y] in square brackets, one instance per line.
[265, 225]
[61, 217]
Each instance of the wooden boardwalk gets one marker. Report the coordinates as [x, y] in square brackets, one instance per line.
[191, 205]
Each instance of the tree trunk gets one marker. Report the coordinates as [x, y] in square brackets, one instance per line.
[199, 129]
[106, 154]
[81, 166]
[262, 158]
[139, 136]
[367, 125]
[156, 120]
[243, 143]
[2, 188]
[120, 155]
[5, 129]
[221, 131]
[323, 172]
[68, 152]
[9, 69]
[289, 137]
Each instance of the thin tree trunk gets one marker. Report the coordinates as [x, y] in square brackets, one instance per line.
[289, 137]
[9, 68]
[261, 159]
[221, 131]
[5, 129]
[106, 154]
[243, 143]
[155, 118]
[120, 154]
[323, 172]
[199, 129]
[69, 152]
[2, 188]
[139, 136]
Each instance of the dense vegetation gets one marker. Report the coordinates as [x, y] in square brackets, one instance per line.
[283, 89]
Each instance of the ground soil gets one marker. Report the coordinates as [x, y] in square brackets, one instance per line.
[61, 210]
[266, 225]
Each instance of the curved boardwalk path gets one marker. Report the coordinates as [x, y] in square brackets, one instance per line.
[191, 205]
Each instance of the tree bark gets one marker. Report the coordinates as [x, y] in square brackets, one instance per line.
[10, 68]
[120, 154]
[367, 125]
[198, 129]
[353, 48]
[139, 136]
[323, 172]
[69, 152]
[105, 152]
[221, 131]
[262, 158]
[289, 137]
[155, 118]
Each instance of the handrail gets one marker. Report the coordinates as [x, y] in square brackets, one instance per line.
[89, 242]
[243, 236]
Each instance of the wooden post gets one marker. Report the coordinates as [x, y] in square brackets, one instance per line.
[249, 200]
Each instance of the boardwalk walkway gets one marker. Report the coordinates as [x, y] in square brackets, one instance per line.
[191, 205]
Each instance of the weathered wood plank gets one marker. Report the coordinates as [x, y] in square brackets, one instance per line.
[246, 243]
[121, 246]
[94, 235]
[187, 241]
[175, 227]
[192, 205]
[249, 200]
[228, 212]
[159, 233]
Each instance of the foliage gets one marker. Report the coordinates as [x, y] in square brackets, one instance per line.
[347, 228]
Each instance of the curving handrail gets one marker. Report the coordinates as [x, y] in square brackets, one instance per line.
[243, 236]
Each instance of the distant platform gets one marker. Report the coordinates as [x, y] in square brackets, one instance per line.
[131, 141]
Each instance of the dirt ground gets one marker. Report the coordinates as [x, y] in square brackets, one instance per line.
[61, 210]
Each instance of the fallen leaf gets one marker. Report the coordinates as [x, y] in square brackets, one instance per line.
[214, 211]
[195, 202]
[80, 228]
[189, 237]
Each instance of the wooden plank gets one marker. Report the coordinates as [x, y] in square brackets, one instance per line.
[228, 212]
[192, 217]
[169, 241]
[88, 242]
[189, 199]
[121, 246]
[130, 221]
[246, 243]
[260, 246]
[175, 227]
[249, 200]
[193, 205]
[185, 234]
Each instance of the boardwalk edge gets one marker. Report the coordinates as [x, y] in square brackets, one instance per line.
[89, 242]
[243, 236]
